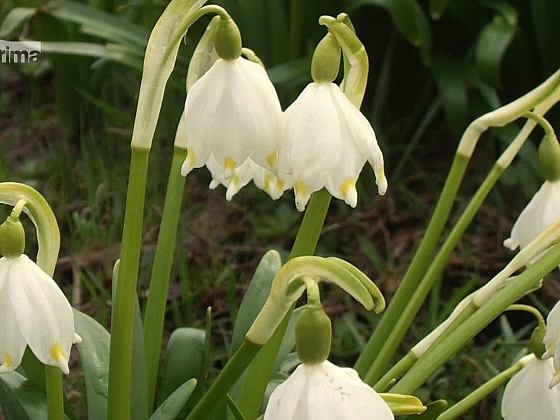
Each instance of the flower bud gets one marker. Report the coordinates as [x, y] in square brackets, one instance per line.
[537, 337]
[313, 335]
[12, 238]
[549, 156]
[227, 40]
[326, 60]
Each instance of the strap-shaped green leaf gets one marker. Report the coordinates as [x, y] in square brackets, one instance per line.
[14, 20]
[94, 356]
[20, 399]
[491, 47]
[184, 360]
[256, 295]
[171, 407]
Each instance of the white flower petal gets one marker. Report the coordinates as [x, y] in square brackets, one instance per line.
[43, 314]
[12, 344]
[232, 112]
[325, 142]
[552, 335]
[323, 392]
[527, 395]
[541, 212]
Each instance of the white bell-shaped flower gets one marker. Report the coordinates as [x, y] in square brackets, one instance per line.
[34, 312]
[528, 396]
[325, 141]
[552, 342]
[232, 113]
[247, 171]
[540, 213]
[325, 391]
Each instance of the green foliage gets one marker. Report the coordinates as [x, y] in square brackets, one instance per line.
[21, 400]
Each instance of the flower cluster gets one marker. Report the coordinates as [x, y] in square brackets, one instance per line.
[235, 126]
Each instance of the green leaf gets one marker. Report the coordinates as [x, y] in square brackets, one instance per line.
[20, 399]
[545, 18]
[437, 7]
[107, 52]
[94, 355]
[491, 47]
[450, 76]
[15, 19]
[256, 295]
[98, 23]
[407, 16]
[138, 389]
[173, 404]
[184, 360]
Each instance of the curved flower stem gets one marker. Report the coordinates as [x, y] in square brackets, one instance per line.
[55, 401]
[120, 363]
[409, 311]
[530, 309]
[541, 98]
[481, 392]
[161, 271]
[415, 271]
[42, 216]
[459, 335]
[259, 372]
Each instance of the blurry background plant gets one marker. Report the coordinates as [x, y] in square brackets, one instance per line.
[65, 126]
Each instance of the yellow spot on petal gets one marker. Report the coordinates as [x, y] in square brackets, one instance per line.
[347, 185]
[280, 184]
[229, 164]
[301, 187]
[268, 182]
[8, 362]
[272, 159]
[191, 157]
[60, 357]
[57, 353]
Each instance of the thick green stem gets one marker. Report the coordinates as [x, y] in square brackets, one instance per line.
[416, 269]
[226, 379]
[259, 372]
[120, 364]
[55, 396]
[409, 310]
[161, 271]
[477, 395]
[442, 350]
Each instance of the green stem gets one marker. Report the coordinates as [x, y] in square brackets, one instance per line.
[409, 310]
[442, 350]
[416, 269]
[259, 372]
[55, 396]
[396, 372]
[477, 395]
[120, 364]
[226, 379]
[161, 271]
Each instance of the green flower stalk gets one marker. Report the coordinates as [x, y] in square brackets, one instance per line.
[385, 339]
[160, 57]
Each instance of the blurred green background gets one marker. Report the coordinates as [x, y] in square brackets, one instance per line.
[435, 65]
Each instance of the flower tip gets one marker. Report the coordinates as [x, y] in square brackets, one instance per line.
[351, 197]
[186, 168]
[214, 184]
[555, 380]
[77, 339]
[381, 185]
[510, 244]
